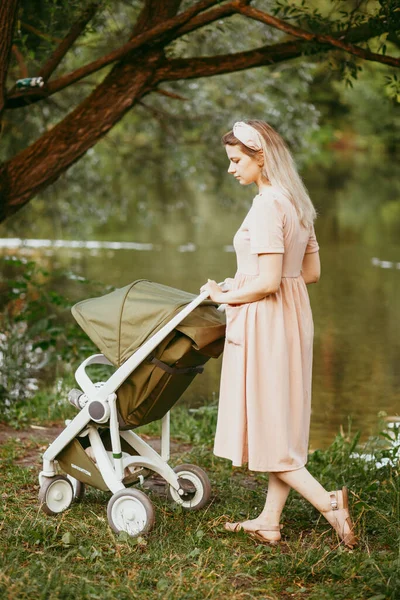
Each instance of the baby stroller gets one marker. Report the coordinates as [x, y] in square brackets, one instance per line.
[158, 338]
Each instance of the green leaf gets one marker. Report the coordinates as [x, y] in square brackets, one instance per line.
[163, 584]
[199, 533]
[68, 539]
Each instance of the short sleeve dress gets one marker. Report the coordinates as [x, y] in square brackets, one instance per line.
[265, 392]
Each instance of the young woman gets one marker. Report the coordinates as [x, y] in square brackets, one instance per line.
[265, 396]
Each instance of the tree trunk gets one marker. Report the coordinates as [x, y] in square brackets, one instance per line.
[8, 16]
[39, 165]
[45, 160]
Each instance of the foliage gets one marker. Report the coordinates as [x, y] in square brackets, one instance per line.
[274, 92]
[304, 99]
[131, 164]
[38, 337]
[325, 17]
[365, 100]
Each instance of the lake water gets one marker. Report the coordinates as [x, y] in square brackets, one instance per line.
[356, 304]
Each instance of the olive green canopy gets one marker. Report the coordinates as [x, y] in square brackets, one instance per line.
[120, 322]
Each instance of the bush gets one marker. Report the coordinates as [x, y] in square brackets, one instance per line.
[38, 338]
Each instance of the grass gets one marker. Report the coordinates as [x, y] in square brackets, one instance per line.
[189, 555]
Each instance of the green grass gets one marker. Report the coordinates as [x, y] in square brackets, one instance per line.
[189, 555]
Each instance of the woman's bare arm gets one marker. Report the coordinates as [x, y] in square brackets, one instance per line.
[311, 267]
[268, 280]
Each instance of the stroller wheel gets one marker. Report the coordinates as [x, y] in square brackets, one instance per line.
[55, 495]
[196, 486]
[130, 510]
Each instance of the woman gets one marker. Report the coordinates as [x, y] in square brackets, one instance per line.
[265, 396]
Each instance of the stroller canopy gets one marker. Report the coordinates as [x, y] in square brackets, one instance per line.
[120, 322]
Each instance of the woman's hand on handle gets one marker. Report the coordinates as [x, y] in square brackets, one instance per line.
[214, 290]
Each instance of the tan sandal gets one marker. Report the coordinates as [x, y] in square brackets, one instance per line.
[261, 538]
[235, 527]
[340, 516]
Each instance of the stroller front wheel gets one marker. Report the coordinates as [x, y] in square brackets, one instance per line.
[196, 487]
[130, 510]
[55, 495]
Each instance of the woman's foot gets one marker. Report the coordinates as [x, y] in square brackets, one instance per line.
[339, 516]
[258, 529]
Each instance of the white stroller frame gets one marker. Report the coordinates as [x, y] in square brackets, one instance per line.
[100, 409]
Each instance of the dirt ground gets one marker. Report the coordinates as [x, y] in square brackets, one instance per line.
[35, 439]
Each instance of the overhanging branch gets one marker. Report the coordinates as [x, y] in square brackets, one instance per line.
[336, 42]
[223, 11]
[207, 66]
[191, 19]
[163, 32]
[128, 82]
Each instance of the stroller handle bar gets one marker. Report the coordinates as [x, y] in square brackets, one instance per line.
[114, 382]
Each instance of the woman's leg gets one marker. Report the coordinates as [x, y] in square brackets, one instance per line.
[277, 495]
[332, 505]
[303, 482]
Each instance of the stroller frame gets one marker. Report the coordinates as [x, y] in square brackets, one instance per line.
[101, 409]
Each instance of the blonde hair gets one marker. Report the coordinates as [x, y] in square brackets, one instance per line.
[279, 168]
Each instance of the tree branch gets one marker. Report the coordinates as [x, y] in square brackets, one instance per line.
[206, 66]
[50, 66]
[41, 163]
[184, 23]
[223, 11]
[127, 83]
[39, 33]
[227, 63]
[169, 94]
[18, 99]
[258, 15]
[23, 69]
[153, 13]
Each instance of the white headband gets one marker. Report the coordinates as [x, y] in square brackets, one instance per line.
[247, 135]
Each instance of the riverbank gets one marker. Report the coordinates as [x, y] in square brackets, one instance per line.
[189, 555]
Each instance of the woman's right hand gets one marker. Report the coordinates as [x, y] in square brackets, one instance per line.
[227, 284]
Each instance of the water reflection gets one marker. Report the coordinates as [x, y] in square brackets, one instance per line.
[355, 304]
[21, 243]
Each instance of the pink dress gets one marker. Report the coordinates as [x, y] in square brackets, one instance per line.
[265, 395]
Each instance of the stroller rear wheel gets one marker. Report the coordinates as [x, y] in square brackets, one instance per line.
[55, 495]
[196, 485]
[130, 510]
